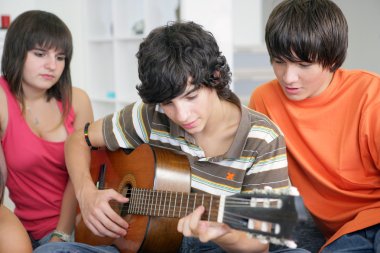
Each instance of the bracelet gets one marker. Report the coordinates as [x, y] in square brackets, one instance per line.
[86, 136]
[61, 235]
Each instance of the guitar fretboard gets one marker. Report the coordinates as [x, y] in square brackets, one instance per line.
[171, 204]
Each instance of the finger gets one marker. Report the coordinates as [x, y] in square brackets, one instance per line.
[186, 231]
[92, 228]
[117, 196]
[106, 227]
[111, 220]
[195, 218]
[180, 225]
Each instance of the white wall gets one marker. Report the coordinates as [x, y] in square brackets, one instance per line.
[216, 17]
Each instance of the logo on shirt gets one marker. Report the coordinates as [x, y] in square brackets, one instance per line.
[230, 176]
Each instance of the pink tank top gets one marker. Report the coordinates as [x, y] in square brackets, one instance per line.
[37, 173]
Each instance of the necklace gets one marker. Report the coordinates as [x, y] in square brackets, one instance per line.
[35, 120]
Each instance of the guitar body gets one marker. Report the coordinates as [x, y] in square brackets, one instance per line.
[146, 167]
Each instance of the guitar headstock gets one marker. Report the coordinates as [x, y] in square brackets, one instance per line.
[270, 215]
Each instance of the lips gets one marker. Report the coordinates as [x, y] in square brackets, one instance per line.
[47, 76]
[291, 90]
[189, 125]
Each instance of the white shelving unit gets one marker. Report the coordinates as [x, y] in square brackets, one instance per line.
[115, 28]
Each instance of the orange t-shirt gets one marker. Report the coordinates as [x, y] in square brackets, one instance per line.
[333, 143]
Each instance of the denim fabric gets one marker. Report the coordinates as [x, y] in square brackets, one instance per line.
[73, 247]
[193, 245]
[364, 241]
[45, 239]
[189, 245]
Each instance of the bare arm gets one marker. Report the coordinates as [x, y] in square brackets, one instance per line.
[97, 214]
[13, 236]
[83, 111]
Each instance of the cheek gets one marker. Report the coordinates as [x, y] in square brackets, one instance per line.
[168, 112]
[61, 67]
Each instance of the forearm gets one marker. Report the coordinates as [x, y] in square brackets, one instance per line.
[238, 241]
[68, 210]
[77, 157]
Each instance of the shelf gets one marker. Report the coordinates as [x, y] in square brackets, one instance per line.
[115, 29]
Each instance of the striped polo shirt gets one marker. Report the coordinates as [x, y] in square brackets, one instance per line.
[256, 158]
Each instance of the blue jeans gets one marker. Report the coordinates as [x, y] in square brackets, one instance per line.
[189, 245]
[73, 247]
[193, 245]
[43, 240]
[364, 241]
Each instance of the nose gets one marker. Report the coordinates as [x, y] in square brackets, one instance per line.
[181, 112]
[290, 74]
[51, 62]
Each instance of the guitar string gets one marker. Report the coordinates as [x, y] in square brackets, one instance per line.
[233, 219]
[230, 202]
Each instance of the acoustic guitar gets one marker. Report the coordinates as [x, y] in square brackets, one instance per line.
[157, 183]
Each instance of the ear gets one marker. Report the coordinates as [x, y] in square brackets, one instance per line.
[216, 74]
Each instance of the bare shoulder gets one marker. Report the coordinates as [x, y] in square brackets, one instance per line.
[11, 230]
[82, 108]
[80, 100]
[79, 94]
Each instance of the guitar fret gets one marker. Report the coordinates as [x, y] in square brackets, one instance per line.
[133, 194]
[141, 211]
[195, 200]
[155, 205]
[143, 206]
[187, 205]
[139, 201]
[180, 206]
[146, 201]
[163, 208]
[170, 201]
[175, 203]
[159, 206]
[210, 209]
[151, 199]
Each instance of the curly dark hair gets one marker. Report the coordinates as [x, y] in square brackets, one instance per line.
[313, 31]
[172, 54]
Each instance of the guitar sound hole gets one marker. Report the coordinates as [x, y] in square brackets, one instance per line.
[126, 192]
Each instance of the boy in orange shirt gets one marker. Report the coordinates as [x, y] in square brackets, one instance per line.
[330, 118]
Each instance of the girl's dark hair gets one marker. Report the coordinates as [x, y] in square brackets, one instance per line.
[313, 31]
[28, 30]
[172, 54]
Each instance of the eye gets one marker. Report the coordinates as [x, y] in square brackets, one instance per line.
[304, 64]
[166, 103]
[278, 61]
[192, 96]
[39, 53]
[61, 57]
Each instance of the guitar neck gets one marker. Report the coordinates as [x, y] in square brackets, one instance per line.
[172, 204]
[269, 214]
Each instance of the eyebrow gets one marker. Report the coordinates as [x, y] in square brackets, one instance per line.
[59, 52]
[190, 91]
